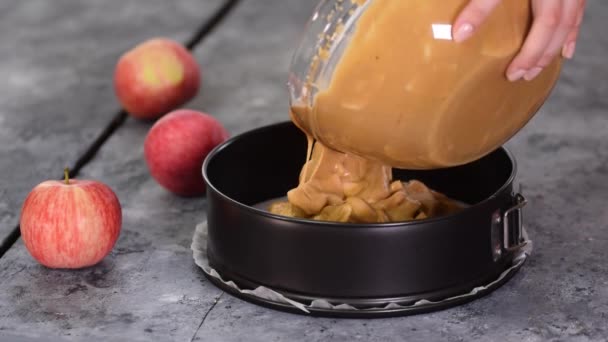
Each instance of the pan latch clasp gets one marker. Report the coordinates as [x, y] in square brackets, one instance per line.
[507, 228]
[512, 221]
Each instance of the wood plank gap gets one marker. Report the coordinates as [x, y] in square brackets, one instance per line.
[211, 24]
[217, 299]
[121, 116]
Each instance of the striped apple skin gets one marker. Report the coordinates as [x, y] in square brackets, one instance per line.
[71, 225]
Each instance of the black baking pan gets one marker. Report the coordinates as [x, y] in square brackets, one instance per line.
[362, 265]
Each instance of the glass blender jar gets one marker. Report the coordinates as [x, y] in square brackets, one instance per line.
[384, 79]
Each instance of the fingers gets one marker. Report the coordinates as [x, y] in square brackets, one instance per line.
[471, 17]
[547, 16]
[554, 30]
[570, 45]
[567, 24]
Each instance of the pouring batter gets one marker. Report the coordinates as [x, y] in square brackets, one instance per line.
[451, 101]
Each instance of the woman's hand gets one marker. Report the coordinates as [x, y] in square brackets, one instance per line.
[554, 30]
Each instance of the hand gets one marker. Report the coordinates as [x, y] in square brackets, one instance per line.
[554, 30]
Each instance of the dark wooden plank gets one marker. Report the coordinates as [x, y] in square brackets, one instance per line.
[57, 64]
[67, 70]
[246, 64]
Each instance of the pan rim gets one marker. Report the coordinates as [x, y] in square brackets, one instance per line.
[338, 225]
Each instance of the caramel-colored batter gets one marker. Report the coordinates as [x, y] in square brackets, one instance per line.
[342, 187]
[405, 95]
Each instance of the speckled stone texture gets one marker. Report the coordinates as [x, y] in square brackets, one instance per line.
[149, 287]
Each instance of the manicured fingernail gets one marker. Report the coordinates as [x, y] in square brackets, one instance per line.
[516, 75]
[463, 32]
[530, 75]
[568, 50]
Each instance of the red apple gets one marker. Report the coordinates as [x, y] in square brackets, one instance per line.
[71, 223]
[155, 77]
[176, 147]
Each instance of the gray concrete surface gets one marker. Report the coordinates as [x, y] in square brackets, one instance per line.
[149, 288]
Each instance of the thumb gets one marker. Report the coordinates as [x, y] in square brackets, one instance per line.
[471, 17]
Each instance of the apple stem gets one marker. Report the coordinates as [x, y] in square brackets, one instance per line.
[66, 174]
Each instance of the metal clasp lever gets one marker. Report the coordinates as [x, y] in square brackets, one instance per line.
[515, 210]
